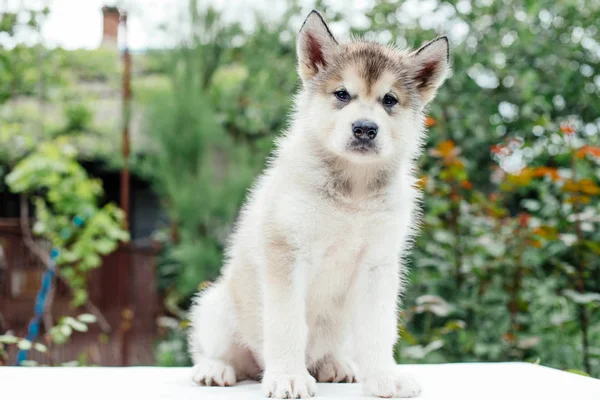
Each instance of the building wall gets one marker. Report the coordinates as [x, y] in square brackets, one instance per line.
[110, 27]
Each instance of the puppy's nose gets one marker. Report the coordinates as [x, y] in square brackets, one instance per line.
[364, 129]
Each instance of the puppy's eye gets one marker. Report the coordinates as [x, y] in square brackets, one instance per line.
[342, 95]
[389, 100]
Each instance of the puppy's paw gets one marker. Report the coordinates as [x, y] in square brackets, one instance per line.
[213, 373]
[391, 384]
[295, 386]
[332, 370]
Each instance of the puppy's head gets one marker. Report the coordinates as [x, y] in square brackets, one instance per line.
[363, 101]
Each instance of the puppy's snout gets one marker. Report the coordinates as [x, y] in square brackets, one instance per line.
[364, 129]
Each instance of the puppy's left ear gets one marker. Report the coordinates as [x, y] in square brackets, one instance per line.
[431, 64]
[315, 46]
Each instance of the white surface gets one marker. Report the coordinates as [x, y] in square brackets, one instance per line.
[506, 381]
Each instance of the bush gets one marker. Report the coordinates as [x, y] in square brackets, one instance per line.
[504, 268]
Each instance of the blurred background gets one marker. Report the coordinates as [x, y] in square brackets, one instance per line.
[130, 132]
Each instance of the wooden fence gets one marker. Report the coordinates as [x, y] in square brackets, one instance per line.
[123, 290]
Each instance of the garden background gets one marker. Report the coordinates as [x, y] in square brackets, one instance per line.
[507, 265]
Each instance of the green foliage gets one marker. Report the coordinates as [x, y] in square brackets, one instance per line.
[98, 65]
[58, 335]
[62, 331]
[506, 266]
[522, 285]
[517, 66]
[78, 117]
[45, 93]
[67, 211]
[499, 271]
[199, 171]
[19, 65]
[44, 168]
[171, 351]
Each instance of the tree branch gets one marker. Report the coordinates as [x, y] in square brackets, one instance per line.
[45, 259]
[27, 237]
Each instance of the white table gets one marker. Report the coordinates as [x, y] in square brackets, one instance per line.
[506, 381]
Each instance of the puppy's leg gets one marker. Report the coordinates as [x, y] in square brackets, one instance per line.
[284, 327]
[330, 349]
[375, 333]
[218, 359]
[336, 369]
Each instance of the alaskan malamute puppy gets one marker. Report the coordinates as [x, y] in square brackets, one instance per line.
[311, 284]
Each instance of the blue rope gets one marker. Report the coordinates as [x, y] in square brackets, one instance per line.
[40, 305]
[40, 301]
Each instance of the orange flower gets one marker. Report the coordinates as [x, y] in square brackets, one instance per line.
[566, 128]
[497, 149]
[509, 337]
[523, 178]
[570, 186]
[524, 219]
[584, 186]
[534, 243]
[588, 186]
[429, 122]
[446, 150]
[579, 200]
[467, 185]
[546, 171]
[546, 232]
[587, 149]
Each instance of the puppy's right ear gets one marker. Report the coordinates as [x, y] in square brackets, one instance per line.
[315, 46]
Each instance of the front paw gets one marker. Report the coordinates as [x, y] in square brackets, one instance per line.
[213, 373]
[332, 370]
[391, 384]
[294, 386]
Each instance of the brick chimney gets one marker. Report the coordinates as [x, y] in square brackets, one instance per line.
[110, 30]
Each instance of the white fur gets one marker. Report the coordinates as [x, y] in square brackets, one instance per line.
[313, 272]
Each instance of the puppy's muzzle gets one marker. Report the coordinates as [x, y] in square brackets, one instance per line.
[364, 130]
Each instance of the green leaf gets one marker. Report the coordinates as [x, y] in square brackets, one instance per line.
[105, 246]
[59, 338]
[70, 364]
[592, 245]
[581, 298]
[578, 372]
[445, 237]
[87, 318]
[66, 330]
[419, 352]
[80, 297]
[76, 325]
[24, 344]
[434, 304]
[8, 339]
[453, 326]
[40, 347]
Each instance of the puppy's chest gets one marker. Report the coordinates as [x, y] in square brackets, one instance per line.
[338, 244]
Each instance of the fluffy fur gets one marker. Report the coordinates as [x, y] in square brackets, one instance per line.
[313, 273]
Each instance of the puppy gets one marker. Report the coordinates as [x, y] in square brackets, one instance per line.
[313, 272]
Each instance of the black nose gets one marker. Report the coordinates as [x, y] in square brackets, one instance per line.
[364, 130]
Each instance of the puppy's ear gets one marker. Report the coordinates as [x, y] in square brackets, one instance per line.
[315, 46]
[431, 65]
